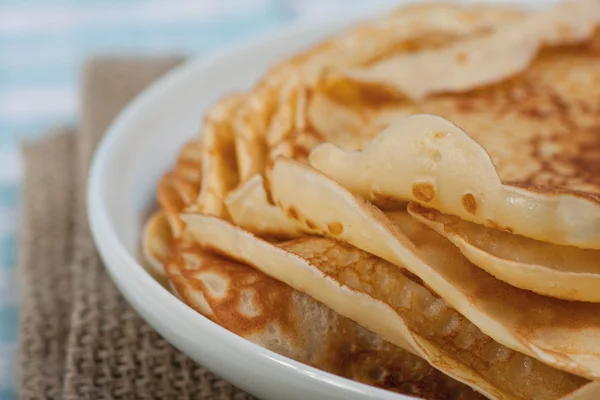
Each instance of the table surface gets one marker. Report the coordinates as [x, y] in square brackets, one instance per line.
[42, 46]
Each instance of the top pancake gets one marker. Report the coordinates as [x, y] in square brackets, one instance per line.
[271, 120]
[541, 125]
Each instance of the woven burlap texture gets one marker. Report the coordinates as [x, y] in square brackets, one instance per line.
[79, 339]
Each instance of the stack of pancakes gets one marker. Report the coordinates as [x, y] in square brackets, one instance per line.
[413, 204]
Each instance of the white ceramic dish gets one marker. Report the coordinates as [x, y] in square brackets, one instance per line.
[140, 145]
[136, 150]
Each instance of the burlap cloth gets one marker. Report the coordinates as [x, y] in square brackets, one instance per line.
[79, 339]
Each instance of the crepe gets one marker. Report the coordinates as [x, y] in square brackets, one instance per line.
[219, 164]
[253, 306]
[274, 119]
[557, 271]
[273, 315]
[307, 331]
[429, 160]
[553, 97]
[539, 128]
[382, 298]
[563, 334]
[177, 189]
[482, 60]
[404, 32]
[171, 202]
[248, 205]
[188, 171]
[510, 185]
[157, 242]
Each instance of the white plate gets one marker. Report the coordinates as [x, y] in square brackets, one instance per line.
[137, 149]
[139, 146]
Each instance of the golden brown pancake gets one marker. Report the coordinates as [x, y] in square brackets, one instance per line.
[157, 242]
[279, 318]
[272, 120]
[481, 60]
[219, 165]
[393, 303]
[179, 187]
[539, 127]
[405, 32]
[249, 204]
[273, 315]
[310, 114]
[560, 333]
[238, 131]
[537, 119]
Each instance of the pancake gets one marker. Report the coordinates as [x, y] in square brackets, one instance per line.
[273, 120]
[308, 331]
[249, 123]
[484, 60]
[188, 171]
[560, 333]
[219, 165]
[273, 315]
[478, 60]
[179, 188]
[522, 92]
[549, 99]
[171, 202]
[540, 130]
[563, 272]
[157, 242]
[248, 205]
[427, 159]
[540, 127]
[384, 299]
[404, 32]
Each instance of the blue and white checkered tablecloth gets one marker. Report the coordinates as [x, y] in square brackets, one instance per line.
[42, 45]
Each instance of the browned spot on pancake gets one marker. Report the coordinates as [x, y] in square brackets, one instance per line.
[300, 152]
[335, 228]
[310, 224]
[293, 213]
[439, 135]
[423, 191]
[469, 203]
